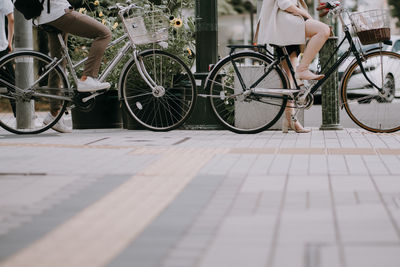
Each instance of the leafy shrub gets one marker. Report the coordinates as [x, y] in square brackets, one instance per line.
[180, 41]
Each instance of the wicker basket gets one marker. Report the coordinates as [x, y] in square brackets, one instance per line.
[148, 27]
[371, 26]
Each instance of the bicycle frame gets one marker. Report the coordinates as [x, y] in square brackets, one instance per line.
[117, 58]
[106, 72]
[103, 75]
[285, 57]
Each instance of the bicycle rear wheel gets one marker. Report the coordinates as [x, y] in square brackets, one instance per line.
[252, 113]
[369, 108]
[28, 91]
[171, 105]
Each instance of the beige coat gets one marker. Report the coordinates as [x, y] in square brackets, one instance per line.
[278, 27]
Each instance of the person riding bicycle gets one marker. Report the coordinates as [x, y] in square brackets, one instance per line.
[286, 23]
[64, 18]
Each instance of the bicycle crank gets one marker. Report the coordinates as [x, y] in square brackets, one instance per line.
[304, 100]
[84, 101]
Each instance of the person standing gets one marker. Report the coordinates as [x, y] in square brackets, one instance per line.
[6, 40]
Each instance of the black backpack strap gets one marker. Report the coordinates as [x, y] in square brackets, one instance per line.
[48, 6]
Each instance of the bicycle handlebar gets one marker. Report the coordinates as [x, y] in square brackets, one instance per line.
[123, 8]
[328, 7]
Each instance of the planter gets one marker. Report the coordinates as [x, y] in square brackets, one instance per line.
[128, 121]
[105, 114]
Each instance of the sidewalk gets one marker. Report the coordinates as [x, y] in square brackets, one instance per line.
[200, 198]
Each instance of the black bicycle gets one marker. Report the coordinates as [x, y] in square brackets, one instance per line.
[248, 90]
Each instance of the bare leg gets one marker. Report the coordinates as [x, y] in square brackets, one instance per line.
[318, 33]
[289, 110]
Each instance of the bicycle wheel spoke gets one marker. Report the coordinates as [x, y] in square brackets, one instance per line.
[224, 86]
[173, 97]
[136, 96]
[170, 107]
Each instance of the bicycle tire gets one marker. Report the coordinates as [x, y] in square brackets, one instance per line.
[365, 105]
[20, 69]
[159, 112]
[254, 113]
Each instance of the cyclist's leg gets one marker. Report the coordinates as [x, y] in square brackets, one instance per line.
[84, 26]
[54, 80]
[289, 110]
[293, 60]
[318, 33]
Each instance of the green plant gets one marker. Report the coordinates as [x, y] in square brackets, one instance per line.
[181, 31]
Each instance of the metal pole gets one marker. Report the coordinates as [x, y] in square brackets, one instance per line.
[206, 34]
[206, 53]
[330, 93]
[23, 70]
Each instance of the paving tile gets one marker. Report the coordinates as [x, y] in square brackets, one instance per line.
[371, 256]
[269, 199]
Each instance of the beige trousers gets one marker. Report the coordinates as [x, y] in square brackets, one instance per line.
[84, 26]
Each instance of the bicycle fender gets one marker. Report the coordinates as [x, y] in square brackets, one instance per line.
[125, 67]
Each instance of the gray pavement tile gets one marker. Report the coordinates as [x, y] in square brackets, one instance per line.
[327, 256]
[356, 165]
[318, 165]
[371, 256]
[299, 164]
[280, 165]
[23, 235]
[375, 166]
[227, 215]
[170, 226]
[365, 223]
[337, 165]
[392, 163]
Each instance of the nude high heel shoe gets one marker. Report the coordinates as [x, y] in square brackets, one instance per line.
[293, 124]
[303, 73]
[285, 126]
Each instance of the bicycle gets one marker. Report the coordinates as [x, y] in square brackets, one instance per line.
[248, 90]
[156, 87]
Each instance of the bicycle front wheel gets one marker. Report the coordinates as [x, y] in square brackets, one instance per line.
[369, 108]
[168, 106]
[31, 92]
[251, 113]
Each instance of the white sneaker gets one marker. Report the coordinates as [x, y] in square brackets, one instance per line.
[59, 126]
[91, 85]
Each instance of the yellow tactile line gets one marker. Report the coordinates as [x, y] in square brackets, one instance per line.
[65, 145]
[99, 233]
[261, 150]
